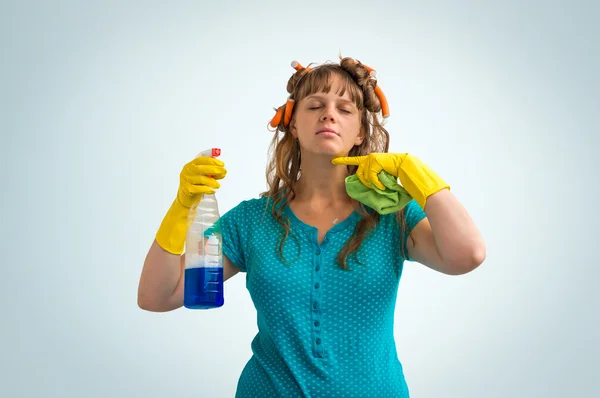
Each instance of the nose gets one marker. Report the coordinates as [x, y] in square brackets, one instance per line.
[328, 115]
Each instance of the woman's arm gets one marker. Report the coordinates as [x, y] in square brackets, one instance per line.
[447, 240]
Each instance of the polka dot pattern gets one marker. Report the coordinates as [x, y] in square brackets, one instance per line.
[322, 331]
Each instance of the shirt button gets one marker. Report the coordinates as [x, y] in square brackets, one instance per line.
[318, 341]
[315, 305]
[318, 252]
[317, 323]
[317, 285]
[317, 268]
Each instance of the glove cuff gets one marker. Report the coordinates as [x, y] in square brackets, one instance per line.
[173, 228]
[419, 180]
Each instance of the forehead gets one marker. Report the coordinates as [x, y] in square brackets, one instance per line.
[324, 83]
[335, 86]
[332, 94]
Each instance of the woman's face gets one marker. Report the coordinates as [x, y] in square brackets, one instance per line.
[327, 123]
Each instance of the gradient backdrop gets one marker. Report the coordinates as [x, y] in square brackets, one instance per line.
[104, 102]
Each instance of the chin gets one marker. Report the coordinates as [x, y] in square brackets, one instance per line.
[328, 150]
[331, 148]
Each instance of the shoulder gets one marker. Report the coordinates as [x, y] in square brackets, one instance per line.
[248, 212]
[402, 224]
[248, 207]
[412, 214]
[406, 218]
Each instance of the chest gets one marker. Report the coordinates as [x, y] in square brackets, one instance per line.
[323, 220]
[307, 281]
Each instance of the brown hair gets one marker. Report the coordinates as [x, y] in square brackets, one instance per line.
[283, 169]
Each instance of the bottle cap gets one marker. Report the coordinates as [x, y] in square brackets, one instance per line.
[212, 152]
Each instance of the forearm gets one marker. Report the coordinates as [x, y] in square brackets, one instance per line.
[458, 241]
[160, 282]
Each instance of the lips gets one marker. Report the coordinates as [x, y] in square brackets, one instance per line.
[330, 131]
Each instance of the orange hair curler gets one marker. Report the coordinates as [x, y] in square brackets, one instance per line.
[296, 65]
[289, 106]
[385, 109]
[285, 112]
[277, 118]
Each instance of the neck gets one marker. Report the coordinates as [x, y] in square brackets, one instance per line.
[322, 183]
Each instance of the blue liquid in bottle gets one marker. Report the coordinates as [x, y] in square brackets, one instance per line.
[203, 288]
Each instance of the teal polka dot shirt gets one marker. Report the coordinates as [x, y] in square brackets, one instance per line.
[322, 331]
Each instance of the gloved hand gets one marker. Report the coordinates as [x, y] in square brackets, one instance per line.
[416, 177]
[197, 178]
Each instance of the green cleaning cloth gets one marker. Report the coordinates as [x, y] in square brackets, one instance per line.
[390, 200]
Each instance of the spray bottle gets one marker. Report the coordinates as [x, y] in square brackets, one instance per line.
[203, 287]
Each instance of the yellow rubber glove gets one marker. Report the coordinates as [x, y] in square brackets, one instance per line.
[416, 177]
[197, 178]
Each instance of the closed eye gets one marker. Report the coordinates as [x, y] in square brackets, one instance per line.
[314, 108]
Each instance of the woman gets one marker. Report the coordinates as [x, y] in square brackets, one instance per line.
[322, 268]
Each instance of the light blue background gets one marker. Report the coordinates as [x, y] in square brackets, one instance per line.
[104, 102]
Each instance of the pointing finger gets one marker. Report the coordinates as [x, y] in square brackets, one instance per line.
[347, 160]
